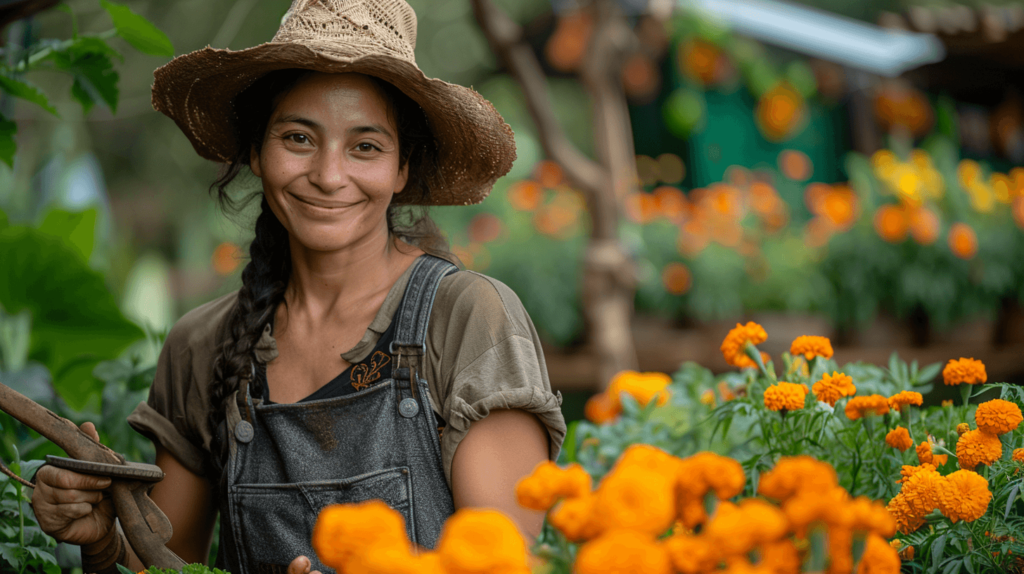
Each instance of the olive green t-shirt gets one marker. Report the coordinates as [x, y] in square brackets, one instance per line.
[483, 354]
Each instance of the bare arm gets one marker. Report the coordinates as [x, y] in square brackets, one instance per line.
[497, 451]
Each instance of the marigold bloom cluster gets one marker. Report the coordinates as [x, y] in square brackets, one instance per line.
[549, 483]
[734, 346]
[902, 398]
[811, 346]
[370, 538]
[963, 495]
[643, 387]
[964, 371]
[859, 407]
[899, 438]
[833, 387]
[998, 416]
[785, 396]
[977, 447]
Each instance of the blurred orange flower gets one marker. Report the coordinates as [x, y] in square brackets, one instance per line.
[924, 225]
[548, 483]
[785, 397]
[878, 557]
[525, 195]
[733, 347]
[1018, 454]
[795, 165]
[226, 258]
[575, 518]
[676, 278]
[899, 438]
[344, 530]
[780, 111]
[671, 202]
[548, 173]
[484, 228]
[833, 387]
[839, 207]
[969, 371]
[891, 223]
[623, 552]
[636, 498]
[811, 346]
[700, 60]
[963, 242]
[601, 408]
[641, 207]
[859, 407]
[568, 43]
[902, 398]
[481, 541]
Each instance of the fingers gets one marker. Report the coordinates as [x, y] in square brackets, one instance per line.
[59, 478]
[90, 429]
[300, 565]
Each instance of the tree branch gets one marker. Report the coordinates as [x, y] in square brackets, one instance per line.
[505, 37]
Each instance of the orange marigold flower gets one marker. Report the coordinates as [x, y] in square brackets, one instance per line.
[725, 391]
[947, 403]
[907, 553]
[833, 387]
[706, 471]
[623, 551]
[939, 459]
[965, 496]
[978, 447]
[708, 398]
[785, 396]
[480, 541]
[344, 530]
[962, 428]
[859, 407]
[963, 370]
[691, 554]
[907, 470]
[807, 507]
[601, 408]
[899, 438]
[394, 560]
[638, 499]
[811, 346]
[781, 557]
[866, 515]
[733, 347]
[575, 518]
[738, 529]
[897, 401]
[548, 482]
[924, 453]
[1018, 454]
[921, 491]
[878, 557]
[794, 473]
[906, 520]
[998, 416]
[963, 241]
[643, 387]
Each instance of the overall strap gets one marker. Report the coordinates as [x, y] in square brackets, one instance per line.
[412, 317]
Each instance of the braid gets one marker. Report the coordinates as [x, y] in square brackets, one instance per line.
[264, 280]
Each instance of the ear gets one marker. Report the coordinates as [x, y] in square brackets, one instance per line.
[254, 162]
[403, 178]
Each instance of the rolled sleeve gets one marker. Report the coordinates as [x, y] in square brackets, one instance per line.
[153, 425]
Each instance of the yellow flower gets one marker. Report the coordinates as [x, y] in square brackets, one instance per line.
[345, 530]
[963, 370]
[794, 473]
[811, 346]
[478, 541]
[623, 551]
[859, 407]
[708, 398]
[977, 447]
[1018, 454]
[998, 416]
[962, 428]
[878, 557]
[548, 483]
[833, 387]
[785, 396]
[946, 403]
[733, 347]
[965, 496]
[643, 387]
[897, 401]
[899, 438]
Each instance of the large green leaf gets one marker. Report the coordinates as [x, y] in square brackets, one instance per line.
[27, 92]
[90, 62]
[7, 145]
[76, 228]
[137, 31]
[76, 322]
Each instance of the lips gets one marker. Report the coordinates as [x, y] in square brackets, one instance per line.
[321, 204]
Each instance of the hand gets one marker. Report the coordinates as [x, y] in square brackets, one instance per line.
[70, 506]
[301, 565]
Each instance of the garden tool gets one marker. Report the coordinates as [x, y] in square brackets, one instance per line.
[145, 525]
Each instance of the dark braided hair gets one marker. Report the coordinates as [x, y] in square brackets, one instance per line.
[265, 277]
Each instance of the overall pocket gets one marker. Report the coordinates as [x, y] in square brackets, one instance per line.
[273, 523]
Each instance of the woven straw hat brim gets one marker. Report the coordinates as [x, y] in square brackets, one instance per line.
[475, 145]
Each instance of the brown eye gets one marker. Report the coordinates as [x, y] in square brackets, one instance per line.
[366, 147]
[298, 138]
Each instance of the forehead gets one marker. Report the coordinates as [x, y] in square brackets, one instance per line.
[340, 95]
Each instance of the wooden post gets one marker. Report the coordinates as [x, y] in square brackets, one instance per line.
[609, 281]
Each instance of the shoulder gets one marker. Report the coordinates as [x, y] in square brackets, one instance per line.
[202, 327]
[472, 297]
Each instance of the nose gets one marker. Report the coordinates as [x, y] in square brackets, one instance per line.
[329, 168]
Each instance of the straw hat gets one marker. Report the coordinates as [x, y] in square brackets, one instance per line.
[373, 37]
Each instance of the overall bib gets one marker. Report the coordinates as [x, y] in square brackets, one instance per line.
[286, 462]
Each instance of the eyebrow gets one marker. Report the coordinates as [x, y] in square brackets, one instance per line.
[371, 128]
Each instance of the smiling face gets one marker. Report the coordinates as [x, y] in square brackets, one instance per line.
[330, 162]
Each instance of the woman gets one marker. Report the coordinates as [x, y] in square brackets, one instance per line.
[442, 401]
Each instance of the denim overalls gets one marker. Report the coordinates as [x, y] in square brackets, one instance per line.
[286, 462]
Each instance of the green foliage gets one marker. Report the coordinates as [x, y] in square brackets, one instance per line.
[187, 569]
[88, 59]
[23, 546]
[76, 322]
